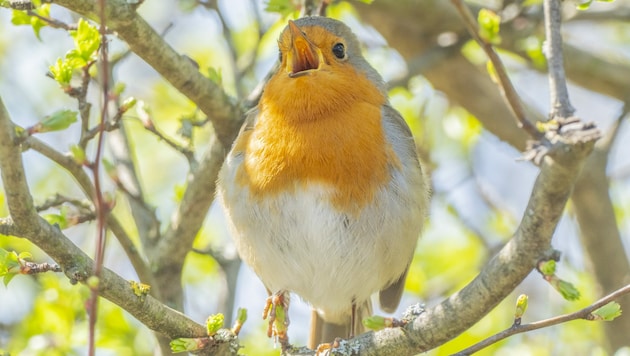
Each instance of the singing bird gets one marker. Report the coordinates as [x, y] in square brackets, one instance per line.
[323, 190]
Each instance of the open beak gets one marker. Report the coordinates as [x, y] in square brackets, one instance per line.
[304, 56]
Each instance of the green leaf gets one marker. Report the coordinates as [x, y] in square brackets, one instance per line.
[119, 88]
[241, 315]
[75, 60]
[283, 7]
[489, 25]
[547, 268]
[61, 72]
[215, 75]
[128, 104]
[36, 22]
[568, 290]
[7, 278]
[188, 344]
[59, 120]
[140, 289]
[521, 306]
[214, 323]
[78, 154]
[608, 312]
[86, 40]
[585, 5]
[25, 255]
[20, 18]
[56, 219]
[375, 322]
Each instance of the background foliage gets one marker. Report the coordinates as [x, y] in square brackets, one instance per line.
[480, 187]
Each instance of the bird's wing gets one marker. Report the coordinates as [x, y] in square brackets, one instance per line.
[400, 137]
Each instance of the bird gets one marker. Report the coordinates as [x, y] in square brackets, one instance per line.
[323, 191]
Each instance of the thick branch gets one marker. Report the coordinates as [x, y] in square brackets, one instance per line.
[18, 195]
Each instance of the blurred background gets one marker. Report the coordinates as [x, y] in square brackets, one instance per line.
[440, 84]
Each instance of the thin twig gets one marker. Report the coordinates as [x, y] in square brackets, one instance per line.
[148, 124]
[102, 209]
[59, 199]
[509, 93]
[54, 23]
[585, 314]
[552, 48]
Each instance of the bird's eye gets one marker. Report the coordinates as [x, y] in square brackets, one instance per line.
[280, 55]
[339, 50]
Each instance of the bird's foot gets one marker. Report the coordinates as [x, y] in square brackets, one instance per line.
[277, 310]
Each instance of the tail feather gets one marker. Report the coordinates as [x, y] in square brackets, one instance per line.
[326, 332]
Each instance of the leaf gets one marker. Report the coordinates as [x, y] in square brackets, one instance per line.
[7, 278]
[25, 255]
[585, 5]
[140, 289]
[78, 154]
[20, 18]
[56, 219]
[215, 75]
[214, 323]
[128, 104]
[61, 72]
[86, 39]
[568, 290]
[608, 312]
[38, 23]
[521, 306]
[74, 59]
[283, 7]
[188, 344]
[489, 25]
[374, 322]
[547, 268]
[59, 120]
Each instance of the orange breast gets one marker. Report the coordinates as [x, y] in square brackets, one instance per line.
[330, 134]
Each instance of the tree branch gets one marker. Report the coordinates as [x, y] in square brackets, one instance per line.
[560, 104]
[584, 313]
[505, 84]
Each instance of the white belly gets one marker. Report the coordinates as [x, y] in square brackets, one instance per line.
[297, 241]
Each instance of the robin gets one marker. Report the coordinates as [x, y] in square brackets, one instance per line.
[323, 191]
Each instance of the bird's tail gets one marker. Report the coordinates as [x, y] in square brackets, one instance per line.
[325, 332]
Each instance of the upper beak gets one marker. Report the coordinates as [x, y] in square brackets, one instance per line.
[303, 55]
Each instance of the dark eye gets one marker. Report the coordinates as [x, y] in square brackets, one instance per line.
[339, 51]
[280, 55]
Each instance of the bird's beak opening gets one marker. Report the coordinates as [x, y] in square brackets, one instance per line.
[304, 56]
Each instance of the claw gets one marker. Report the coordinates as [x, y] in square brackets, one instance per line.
[276, 309]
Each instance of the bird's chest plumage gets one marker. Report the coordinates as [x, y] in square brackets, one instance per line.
[344, 151]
